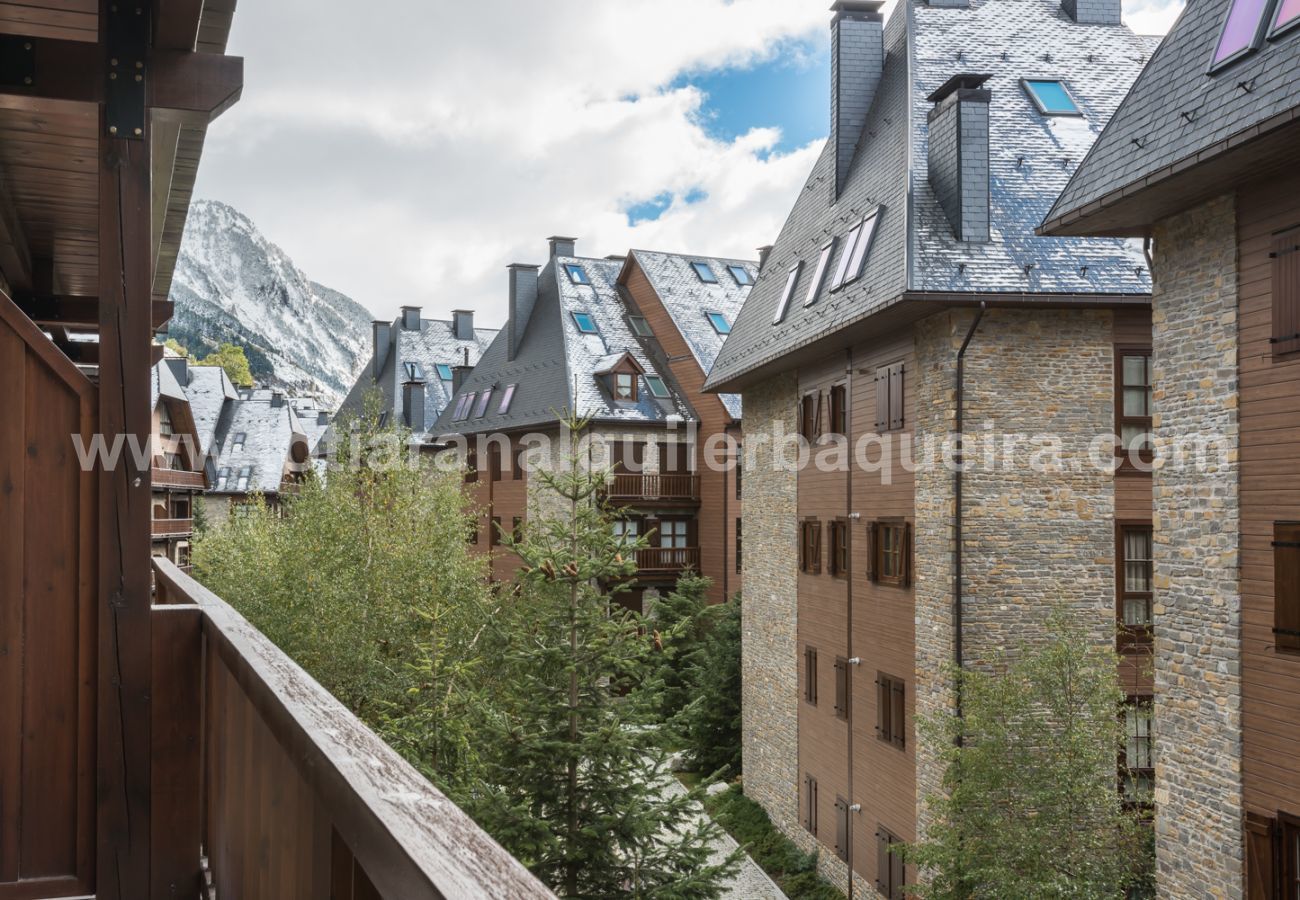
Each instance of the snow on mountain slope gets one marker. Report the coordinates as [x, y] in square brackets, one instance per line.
[232, 284]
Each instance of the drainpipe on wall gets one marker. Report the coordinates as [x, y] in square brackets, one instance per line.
[848, 586]
[959, 457]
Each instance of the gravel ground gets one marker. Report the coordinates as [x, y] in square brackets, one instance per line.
[751, 882]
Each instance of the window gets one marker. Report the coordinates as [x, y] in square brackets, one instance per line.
[1288, 14]
[704, 272]
[738, 547]
[819, 273]
[182, 553]
[889, 398]
[810, 546]
[506, 396]
[494, 539]
[494, 461]
[657, 387]
[1242, 29]
[628, 457]
[842, 828]
[466, 404]
[640, 326]
[626, 531]
[1261, 834]
[444, 371]
[842, 270]
[809, 804]
[245, 474]
[861, 249]
[1139, 756]
[164, 422]
[180, 508]
[238, 444]
[517, 463]
[1134, 402]
[719, 322]
[413, 371]
[891, 724]
[741, 275]
[841, 688]
[576, 273]
[1285, 287]
[839, 423]
[624, 386]
[840, 548]
[1286, 586]
[891, 552]
[1050, 97]
[672, 533]
[223, 475]
[810, 675]
[891, 871]
[810, 416]
[740, 460]
[586, 324]
[1135, 575]
[481, 407]
[1290, 855]
[791, 280]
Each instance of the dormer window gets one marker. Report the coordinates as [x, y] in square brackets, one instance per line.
[719, 322]
[657, 387]
[586, 324]
[1050, 97]
[223, 475]
[577, 274]
[244, 475]
[624, 384]
[741, 275]
[237, 445]
[705, 272]
[640, 327]
[413, 371]
[444, 371]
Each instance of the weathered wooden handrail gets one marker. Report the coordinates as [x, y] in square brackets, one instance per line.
[653, 486]
[179, 478]
[171, 527]
[360, 808]
[667, 559]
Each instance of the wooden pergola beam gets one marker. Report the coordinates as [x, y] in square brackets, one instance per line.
[176, 24]
[15, 256]
[79, 312]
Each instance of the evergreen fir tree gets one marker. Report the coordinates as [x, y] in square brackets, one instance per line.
[681, 621]
[710, 722]
[574, 784]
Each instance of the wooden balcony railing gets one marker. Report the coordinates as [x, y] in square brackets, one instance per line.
[667, 559]
[172, 527]
[625, 487]
[279, 789]
[177, 478]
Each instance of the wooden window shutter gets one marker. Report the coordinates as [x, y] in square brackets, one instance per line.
[897, 705]
[906, 555]
[1286, 585]
[803, 546]
[810, 675]
[1286, 292]
[882, 861]
[873, 541]
[1261, 875]
[882, 707]
[882, 399]
[842, 828]
[897, 876]
[816, 548]
[842, 688]
[896, 397]
[817, 417]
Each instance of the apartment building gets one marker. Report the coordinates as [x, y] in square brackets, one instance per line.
[907, 297]
[178, 475]
[624, 341]
[1201, 159]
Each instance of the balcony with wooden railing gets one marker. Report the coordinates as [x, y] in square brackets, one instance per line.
[626, 487]
[266, 786]
[172, 527]
[177, 478]
[667, 560]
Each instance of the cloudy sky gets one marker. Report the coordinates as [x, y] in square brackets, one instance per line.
[406, 151]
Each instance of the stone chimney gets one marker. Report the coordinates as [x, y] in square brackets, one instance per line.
[562, 246]
[857, 60]
[523, 297]
[322, 418]
[383, 340]
[461, 372]
[462, 324]
[277, 398]
[763, 253]
[413, 405]
[1093, 12]
[958, 154]
[410, 318]
[180, 366]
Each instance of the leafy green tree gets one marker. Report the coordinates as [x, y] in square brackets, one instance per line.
[176, 347]
[710, 721]
[574, 783]
[232, 358]
[1031, 806]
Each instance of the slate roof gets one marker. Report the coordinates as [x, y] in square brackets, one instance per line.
[434, 343]
[554, 367]
[269, 430]
[209, 389]
[309, 419]
[914, 254]
[687, 299]
[1177, 110]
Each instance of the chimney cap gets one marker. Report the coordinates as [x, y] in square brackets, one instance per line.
[462, 312]
[869, 8]
[560, 237]
[959, 82]
[523, 266]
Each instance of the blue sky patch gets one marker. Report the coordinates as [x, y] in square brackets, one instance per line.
[656, 206]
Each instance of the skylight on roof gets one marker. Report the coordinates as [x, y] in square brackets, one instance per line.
[819, 274]
[1288, 14]
[863, 247]
[719, 322]
[640, 326]
[463, 408]
[413, 371]
[741, 274]
[842, 270]
[483, 400]
[657, 386]
[506, 396]
[577, 274]
[705, 272]
[444, 371]
[1050, 97]
[238, 443]
[790, 281]
[586, 324]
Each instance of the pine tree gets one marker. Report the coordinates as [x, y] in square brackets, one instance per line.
[574, 785]
[681, 621]
[710, 722]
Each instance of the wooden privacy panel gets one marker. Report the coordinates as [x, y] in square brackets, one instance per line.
[47, 623]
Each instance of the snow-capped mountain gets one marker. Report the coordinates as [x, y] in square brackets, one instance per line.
[232, 284]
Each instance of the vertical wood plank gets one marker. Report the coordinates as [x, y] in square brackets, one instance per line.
[13, 413]
[177, 652]
[125, 645]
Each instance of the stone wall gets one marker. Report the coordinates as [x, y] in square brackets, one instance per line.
[1198, 598]
[1034, 536]
[769, 648]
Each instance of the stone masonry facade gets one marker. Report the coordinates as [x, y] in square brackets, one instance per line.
[1034, 537]
[769, 648]
[1197, 609]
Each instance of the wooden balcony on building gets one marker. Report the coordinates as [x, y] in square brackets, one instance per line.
[177, 478]
[667, 560]
[262, 774]
[172, 527]
[625, 487]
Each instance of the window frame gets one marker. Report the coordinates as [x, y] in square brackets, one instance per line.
[579, 316]
[1262, 29]
[1146, 455]
[787, 293]
[839, 409]
[1139, 703]
[840, 562]
[640, 326]
[903, 577]
[866, 238]
[651, 381]
[747, 281]
[810, 546]
[702, 269]
[441, 368]
[483, 402]
[1136, 633]
[714, 318]
[237, 443]
[507, 397]
[810, 416]
[891, 710]
[891, 865]
[1277, 29]
[1043, 110]
[1286, 610]
[581, 278]
[819, 273]
[617, 380]
[841, 277]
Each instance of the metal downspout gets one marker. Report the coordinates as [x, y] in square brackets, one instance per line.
[959, 458]
[848, 587]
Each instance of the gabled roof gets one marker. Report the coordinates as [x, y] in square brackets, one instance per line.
[915, 257]
[270, 429]
[208, 389]
[1179, 120]
[554, 368]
